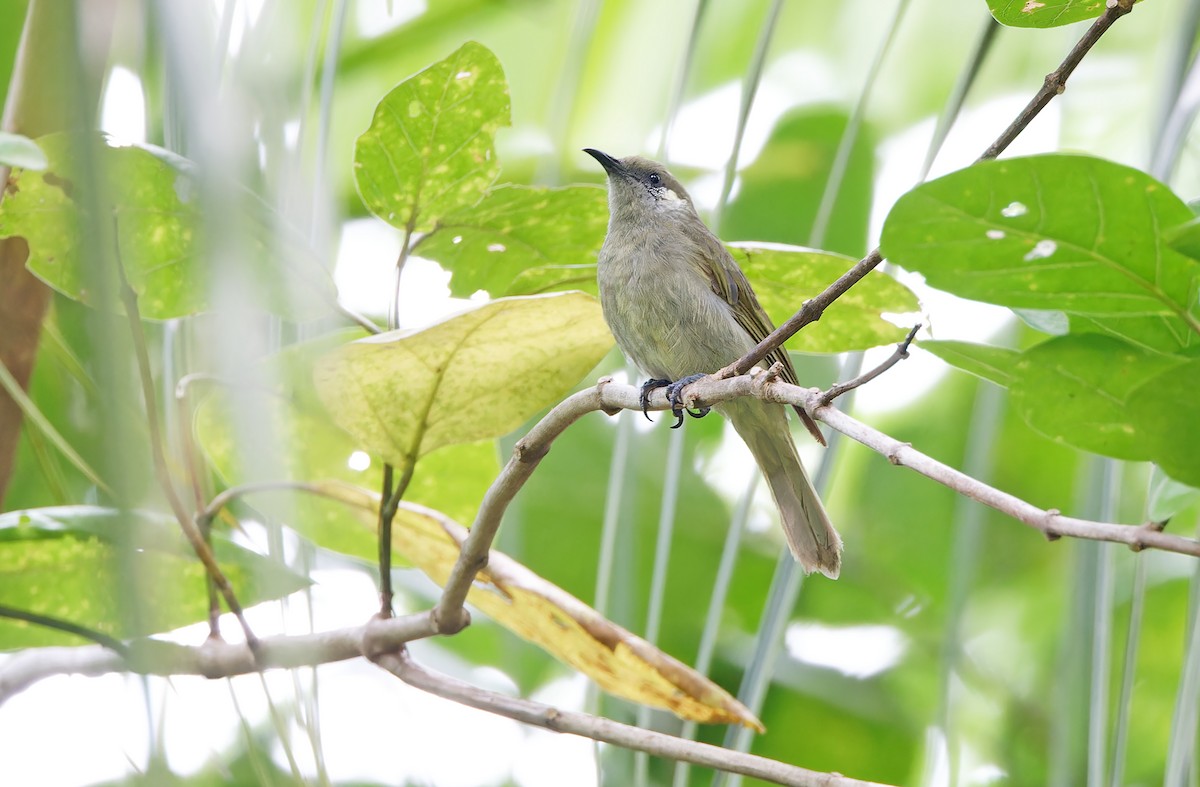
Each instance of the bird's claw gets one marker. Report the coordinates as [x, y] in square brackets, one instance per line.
[675, 397]
[647, 388]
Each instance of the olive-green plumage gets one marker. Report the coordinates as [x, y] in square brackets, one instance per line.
[678, 304]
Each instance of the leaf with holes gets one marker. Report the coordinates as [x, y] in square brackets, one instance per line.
[1073, 234]
[784, 277]
[1044, 13]
[517, 230]
[475, 375]
[429, 149]
[92, 566]
[156, 210]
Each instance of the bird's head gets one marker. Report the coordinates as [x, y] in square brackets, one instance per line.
[638, 186]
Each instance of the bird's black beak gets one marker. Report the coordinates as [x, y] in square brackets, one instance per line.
[610, 164]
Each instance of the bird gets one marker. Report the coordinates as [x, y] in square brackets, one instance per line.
[680, 308]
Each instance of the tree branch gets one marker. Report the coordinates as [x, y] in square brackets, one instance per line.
[1056, 81]
[214, 658]
[659, 744]
[896, 357]
[450, 616]
[1053, 85]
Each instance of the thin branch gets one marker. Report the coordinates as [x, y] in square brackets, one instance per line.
[896, 357]
[210, 511]
[214, 658]
[1056, 81]
[610, 397]
[449, 615]
[190, 529]
[1053, 85]
[659, 744]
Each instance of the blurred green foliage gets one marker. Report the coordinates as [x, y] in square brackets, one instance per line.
[995, 624]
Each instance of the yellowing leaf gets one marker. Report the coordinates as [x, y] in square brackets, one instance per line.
[475, 375]
[619, 661]
[311, 446]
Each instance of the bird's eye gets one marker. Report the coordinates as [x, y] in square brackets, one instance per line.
[654, 179]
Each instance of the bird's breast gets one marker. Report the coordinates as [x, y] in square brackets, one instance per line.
[662, 310]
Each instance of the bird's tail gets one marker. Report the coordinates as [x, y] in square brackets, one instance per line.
[810, 535]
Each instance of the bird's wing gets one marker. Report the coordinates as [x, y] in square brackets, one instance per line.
[728, 281]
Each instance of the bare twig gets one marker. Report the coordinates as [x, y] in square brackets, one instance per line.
[380, 640]
[1056, 81]
[610, 397]
[899, 355]
[1053, 85]
[659, 744]
[214, 658]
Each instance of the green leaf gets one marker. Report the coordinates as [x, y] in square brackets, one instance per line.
[1069, 233]
[784, 277]
[517, 229]
[312, 448]
[1044, 13]
[1166, 410]
[781, 191]
[155, 202]
[19, 151]
[475, 375]
[982, 360]
[96, 566]
[429, 150]
[1079, 390]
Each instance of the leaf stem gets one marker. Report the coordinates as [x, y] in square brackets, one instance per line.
[390, 497]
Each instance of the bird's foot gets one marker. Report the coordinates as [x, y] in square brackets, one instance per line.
[675, 397]
[647, 388]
